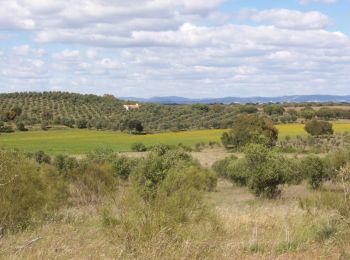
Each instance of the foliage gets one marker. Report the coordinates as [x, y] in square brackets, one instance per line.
[138, 147]
[41, 157]
[21, 127]
[266, 170]
[316, 127]
[27, 192]
[274, 109]
[65, 164]
[251, 129]
[314, 169]
[153, 169]
[122, 167]
[81, 123]
[91, 182]
[6, 129]
[249, 109]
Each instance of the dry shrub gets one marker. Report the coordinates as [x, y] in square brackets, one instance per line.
[27, 192]
[175, 214]
[90, 182]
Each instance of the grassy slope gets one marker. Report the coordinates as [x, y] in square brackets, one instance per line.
[81, 141]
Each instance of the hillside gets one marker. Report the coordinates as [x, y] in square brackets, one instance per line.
[107, 112]
[53, 109]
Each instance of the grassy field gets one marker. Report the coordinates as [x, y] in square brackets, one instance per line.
[75, 141]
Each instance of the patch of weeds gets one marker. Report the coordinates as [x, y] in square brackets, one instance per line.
[326, 232]
[284, 247]
[107, 218]
[255, 248]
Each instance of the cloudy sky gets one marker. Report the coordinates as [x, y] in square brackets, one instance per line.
[190, 48]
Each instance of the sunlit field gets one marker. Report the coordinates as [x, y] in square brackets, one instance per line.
[74, 141]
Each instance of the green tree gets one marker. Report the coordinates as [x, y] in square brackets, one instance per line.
[251, 129]
[21, 127]
[274, 109]
[316, 127]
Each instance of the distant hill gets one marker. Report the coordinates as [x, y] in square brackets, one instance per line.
[107, 112]
[240, 100]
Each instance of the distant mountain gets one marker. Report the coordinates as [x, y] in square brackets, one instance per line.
[240, 100]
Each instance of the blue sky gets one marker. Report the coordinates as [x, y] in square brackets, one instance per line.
[189, 48]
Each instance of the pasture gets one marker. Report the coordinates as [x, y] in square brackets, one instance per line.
[74, 141]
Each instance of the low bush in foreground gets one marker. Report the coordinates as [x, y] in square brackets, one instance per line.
[27, 192]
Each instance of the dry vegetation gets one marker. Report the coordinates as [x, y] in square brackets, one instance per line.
[237, 225]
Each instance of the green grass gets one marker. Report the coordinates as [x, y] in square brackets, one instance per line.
[81, 141]
[74, 141]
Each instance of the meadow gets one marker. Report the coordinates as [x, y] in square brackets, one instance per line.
[75, 141]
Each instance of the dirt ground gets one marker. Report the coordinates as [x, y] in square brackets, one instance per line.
[206, 157]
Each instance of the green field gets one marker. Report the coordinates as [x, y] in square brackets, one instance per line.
[81, 141]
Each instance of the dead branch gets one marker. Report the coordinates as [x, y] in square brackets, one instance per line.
[30, 242]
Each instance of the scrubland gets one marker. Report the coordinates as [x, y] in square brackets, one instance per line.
[166, 205]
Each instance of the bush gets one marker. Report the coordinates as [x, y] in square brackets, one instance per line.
[315, 127]
[153, 169]
[91, 182]
[314, 170]
[21, 127]
[274, 109]
[138, 147]
[266, 170]
[100, 155]
[237, 172]
[27, 192]
[220, 167]
[177, 207]
[81, 123]
[42, 157]
[44, 126]
[251, 129]
[65, 164]
[6, 129]
[122, 167]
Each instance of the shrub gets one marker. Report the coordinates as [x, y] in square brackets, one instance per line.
[65, 164]
[249, 109]
[251, 129]
[100, 155]
[122, 167]
[220, 167]
[44, 126]
[27, 192]
[6, 129]
[237, 172]
[153, 169]
[91, 182]
[20, 127]
[138, 147]
[314, 170]
[81, 123]
[274, 109]
[176, 207]
[42, 157]
[266, 170]
[316, 127]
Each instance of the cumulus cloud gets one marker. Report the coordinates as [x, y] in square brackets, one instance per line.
[290, 19]
[162, 47]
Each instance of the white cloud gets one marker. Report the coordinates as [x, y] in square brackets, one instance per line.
[290, 19]
[317, 1]
[162, 47]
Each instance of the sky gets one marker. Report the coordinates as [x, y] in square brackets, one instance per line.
[189, 48]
